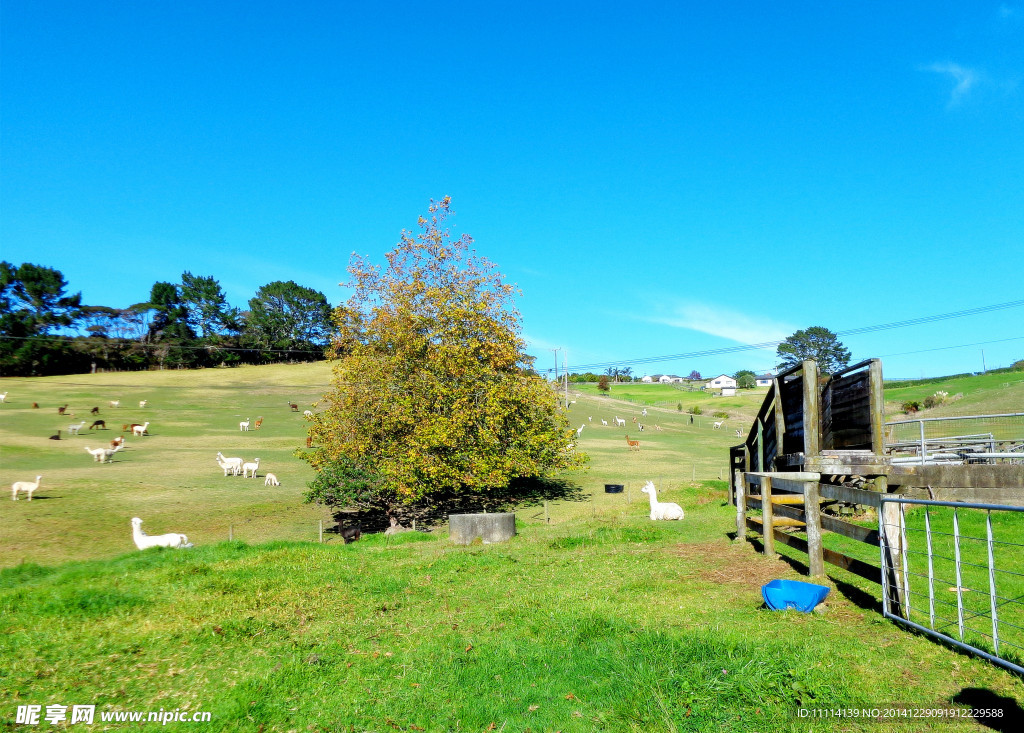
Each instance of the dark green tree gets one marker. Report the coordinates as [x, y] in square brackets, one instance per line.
[816, 343]
[285, 316]
[170, 316]
[745, 379]
[33, 300]
[208, 311]
[34, 304]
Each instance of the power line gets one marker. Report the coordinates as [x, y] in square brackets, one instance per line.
[771, 344]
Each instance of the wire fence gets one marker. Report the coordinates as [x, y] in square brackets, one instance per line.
[963, 574]
[962, 439]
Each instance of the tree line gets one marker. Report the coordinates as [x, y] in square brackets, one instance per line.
[45, 329]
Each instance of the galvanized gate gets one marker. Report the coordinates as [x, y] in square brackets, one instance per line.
[959, 570]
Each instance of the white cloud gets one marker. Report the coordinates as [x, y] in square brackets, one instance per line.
[724, 323]
[538, 344]
[964, 79]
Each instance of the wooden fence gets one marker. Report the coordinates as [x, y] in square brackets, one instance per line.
[792, 501]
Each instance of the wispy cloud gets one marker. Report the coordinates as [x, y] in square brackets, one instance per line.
[538, 344]
[723, 322]
[964, 79]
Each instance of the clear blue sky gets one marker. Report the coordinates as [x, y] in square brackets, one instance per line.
[658, 178]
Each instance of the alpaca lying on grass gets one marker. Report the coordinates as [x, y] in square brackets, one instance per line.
[661, 510]
[144, 541]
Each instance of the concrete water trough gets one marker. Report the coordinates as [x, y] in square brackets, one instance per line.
[464, 529]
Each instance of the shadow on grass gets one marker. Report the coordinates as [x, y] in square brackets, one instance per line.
[520, 493]
[986, 701]
[856, 596]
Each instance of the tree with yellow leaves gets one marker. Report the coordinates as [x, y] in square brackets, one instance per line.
[431, 402]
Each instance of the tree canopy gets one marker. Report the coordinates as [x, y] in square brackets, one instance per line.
[286, 316]
[816, 343]
[431, 399]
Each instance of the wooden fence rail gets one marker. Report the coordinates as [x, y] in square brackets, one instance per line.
[792, 500]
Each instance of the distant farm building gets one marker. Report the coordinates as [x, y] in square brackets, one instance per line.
[722, 380]
[662, 379]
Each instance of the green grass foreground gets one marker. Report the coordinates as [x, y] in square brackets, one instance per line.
[597, 620]
[595, 624]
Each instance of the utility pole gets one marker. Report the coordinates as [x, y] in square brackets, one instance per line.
[983, 370]
[555, 352]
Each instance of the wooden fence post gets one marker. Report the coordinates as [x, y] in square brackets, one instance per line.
[812, 518]
[892, 526]
[741, 504]
[767, 516]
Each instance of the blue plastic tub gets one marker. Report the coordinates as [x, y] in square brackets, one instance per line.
[781, 595]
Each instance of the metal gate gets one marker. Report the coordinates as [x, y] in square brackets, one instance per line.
[958, 571]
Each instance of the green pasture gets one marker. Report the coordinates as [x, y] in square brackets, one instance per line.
[741, 408]
[170, 477]
[591, 618]
[171, 480]
[983, 394]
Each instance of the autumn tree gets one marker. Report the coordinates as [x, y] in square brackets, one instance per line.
[431, 403]
[816, 343]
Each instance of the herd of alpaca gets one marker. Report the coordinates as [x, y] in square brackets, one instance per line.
[234, 466]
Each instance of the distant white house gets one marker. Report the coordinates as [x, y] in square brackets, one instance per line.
[722, 380]
[670, 379]
[765, 380]
[728, 391]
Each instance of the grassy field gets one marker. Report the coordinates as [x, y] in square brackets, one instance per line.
[596, 620]
[83, 508]
[983, 394]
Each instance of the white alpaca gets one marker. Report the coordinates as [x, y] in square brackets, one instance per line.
[144, 541]
[3, 397]
[307, 413]
[590, 419]
[604, 422]
[244, 425]
[229, 464]
[115, 403]
[73, 429]
[271, 480]
[253, 466]
[142, 403]
[102, 455]
[140, 430]
[27, 486]
[661, 510]
[719, 424]
[644, 412]
[579, 432]
[620, 422]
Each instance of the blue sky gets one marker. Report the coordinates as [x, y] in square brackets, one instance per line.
[657, 178]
